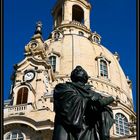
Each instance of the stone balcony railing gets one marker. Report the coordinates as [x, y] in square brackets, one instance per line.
[21, 109]
[78, 24]
[73, 23]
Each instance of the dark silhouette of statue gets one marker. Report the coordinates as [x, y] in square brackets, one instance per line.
[81, 113]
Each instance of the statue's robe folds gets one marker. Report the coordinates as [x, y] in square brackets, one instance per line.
[81, 114]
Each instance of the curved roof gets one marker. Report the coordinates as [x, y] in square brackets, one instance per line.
[80, 50]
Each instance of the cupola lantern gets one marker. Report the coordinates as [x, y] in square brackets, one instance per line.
[66, 11]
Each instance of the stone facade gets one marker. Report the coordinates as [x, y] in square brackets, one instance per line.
[47, 63]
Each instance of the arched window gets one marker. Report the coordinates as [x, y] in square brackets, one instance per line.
[56, 36]
[81, 33]
[122, 127]
[77, 13]
[103, 69]
[59, 17]
[15, 135]
[52, 60]
[22, 95]
[96, 39]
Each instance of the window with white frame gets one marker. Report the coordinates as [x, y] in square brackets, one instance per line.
[122, 125]
[103, 69]
[52, 60]
[14, 135]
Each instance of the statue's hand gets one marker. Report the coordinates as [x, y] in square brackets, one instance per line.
[106, 101]
[94, 96]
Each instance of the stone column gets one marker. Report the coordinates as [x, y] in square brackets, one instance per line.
[67, 12]
[87, 18]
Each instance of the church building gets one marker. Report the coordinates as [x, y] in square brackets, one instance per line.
[29, 114]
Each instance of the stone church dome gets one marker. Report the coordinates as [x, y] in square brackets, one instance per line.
[50, 62]
[71, 50]
[73, 43]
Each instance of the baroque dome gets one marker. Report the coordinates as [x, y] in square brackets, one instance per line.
[50, 62]
[72, 49]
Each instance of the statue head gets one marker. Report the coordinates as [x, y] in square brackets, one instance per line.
[79, 75]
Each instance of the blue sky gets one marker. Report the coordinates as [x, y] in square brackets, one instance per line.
[114, 20]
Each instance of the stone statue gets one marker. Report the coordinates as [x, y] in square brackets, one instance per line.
[81, 114]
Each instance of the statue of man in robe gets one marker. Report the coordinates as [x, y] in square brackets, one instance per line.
[81, 113]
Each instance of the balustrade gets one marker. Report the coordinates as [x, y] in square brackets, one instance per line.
[17, 109]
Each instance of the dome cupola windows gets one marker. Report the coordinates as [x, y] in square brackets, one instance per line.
[57, 35]
[95, 38]
[103, 67]
[72, 13]
[81, 33]
[77, 14]
[59, 17]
